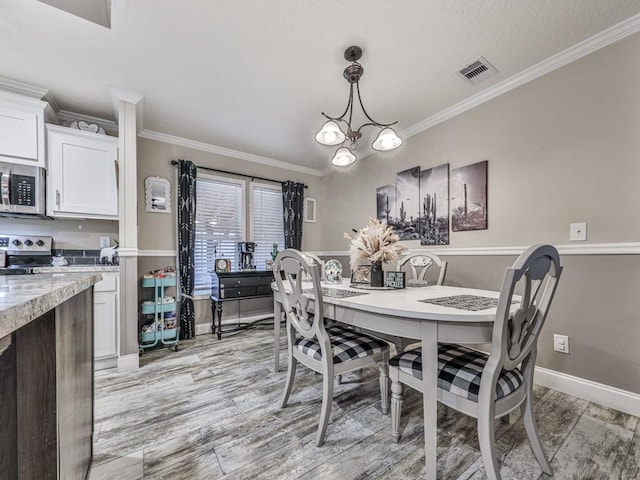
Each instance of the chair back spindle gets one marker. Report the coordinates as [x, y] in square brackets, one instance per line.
[302, 306]
[419, 264]
[536, 272]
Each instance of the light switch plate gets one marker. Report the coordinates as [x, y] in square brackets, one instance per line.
[105, 242]
[578, 232]
[561, 343]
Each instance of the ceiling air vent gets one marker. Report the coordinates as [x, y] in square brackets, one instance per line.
[477, 71]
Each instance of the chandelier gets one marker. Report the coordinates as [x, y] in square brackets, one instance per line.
[332, 134]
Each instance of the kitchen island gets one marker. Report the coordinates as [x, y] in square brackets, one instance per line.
[46, 375]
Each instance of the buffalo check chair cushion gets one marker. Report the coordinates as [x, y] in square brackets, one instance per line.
[459, 371]
[347, 344]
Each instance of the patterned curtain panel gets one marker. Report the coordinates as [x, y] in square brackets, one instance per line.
[293, 199]
[186, 242]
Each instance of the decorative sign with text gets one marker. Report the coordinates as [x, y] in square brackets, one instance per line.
[394, 279]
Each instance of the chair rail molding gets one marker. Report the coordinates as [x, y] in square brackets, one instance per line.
[623, 248]
[128, 252]
[157, 253]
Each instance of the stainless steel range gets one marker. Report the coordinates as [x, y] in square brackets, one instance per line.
[19, 254]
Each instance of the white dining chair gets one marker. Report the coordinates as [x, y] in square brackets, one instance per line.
[330, 350]
[314, 258]
[489, 386]
[419, 264]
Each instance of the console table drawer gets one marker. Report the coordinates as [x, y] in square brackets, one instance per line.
[244, 281]
[233, 292]
[264, 289]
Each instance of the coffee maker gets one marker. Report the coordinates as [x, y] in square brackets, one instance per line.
[245, 255]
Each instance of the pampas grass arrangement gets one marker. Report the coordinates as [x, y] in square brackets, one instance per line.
[377, 242]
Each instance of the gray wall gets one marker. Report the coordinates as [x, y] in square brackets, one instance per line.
[563, 148]
[157, 231]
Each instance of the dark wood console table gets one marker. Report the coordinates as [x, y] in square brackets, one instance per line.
[241, 285]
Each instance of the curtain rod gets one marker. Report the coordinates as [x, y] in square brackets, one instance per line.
[252, 177]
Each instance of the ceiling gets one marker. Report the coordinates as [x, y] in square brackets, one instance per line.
[252, 76]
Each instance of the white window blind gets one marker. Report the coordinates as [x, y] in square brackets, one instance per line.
[267, 221]
[220, 219]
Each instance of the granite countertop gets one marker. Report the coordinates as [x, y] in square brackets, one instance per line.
[24, 298]
[77, 269]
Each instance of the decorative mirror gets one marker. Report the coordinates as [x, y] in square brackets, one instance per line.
[310, 210]
[157, 194]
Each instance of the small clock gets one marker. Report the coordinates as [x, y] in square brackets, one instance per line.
[223, 265]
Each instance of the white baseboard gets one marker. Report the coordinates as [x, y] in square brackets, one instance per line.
[202, 328]
[105, 363]
[612, 397]
[126, 363]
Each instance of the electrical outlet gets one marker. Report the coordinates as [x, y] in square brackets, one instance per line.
[561, 343]
[577, 232]
[105, 242]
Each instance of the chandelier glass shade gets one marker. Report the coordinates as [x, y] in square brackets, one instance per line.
[386, 140]
[343, 157]
[330, 134]
[338, 130]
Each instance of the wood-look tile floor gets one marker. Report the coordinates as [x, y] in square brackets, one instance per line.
[212, 411]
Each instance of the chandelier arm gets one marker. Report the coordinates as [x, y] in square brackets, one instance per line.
[341, 117]
[377, 124]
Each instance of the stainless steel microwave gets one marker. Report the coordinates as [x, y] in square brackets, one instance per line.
[22, 190]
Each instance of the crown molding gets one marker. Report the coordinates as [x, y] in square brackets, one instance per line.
[227, 152]
[22, 88]
[622, 248]
[128, 96]
[598, 41]
[125, 95]
[53, 103]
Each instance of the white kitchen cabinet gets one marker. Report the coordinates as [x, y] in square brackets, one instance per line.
[82, 174]
[22, 130]
[105, 311]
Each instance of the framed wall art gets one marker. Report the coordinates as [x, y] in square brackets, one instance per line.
[469, 197]
[434, 215]
[310, 210]
[408, 204]
[386, 203]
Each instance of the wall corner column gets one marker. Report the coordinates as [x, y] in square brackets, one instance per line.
[129, 107]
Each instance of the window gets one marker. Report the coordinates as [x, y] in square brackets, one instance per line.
[266, 221]
[220, 220]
